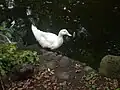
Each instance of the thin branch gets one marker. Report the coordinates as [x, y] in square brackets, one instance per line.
[2, 84]
[6, 38]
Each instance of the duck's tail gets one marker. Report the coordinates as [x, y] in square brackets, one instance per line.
[34, 28]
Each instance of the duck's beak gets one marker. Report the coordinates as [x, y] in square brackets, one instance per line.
[69, 34]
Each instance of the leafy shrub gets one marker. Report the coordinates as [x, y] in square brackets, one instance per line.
[14, 32]
[6, 30]
[11, 57]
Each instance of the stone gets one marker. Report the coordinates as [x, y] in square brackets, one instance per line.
[64, 62]
[47, 53]
[63, 83]
[88, 69]
[52, 56]
[49, 56]
[63, 75]
[110, 66]
[22, 72]
[51, 64]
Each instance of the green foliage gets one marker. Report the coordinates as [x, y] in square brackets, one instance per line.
[7, 48]
[5, 30]
[118, 89]
[14, 32]
[11, 57]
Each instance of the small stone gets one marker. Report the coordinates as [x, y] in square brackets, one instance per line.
[77, 71]
[48, 69]
[51, 64]
[49, 83]
[45, 86]
[64, 62]
[63, 83]
[46, 76]
[58, 57]
[53, 78]
[88, 69]
[20, 89]
[47, 53]
[38, 78]
[77, 65]
[64, 8]
[63, 75]
[52, 72]
[55, 87]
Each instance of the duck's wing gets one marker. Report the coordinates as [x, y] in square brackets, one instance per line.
[47, 39]
[50, 37]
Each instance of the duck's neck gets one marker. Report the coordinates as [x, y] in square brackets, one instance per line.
[34, 28]
[60, 35]
[60, 39]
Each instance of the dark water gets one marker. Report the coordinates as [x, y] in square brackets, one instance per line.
[95, 23]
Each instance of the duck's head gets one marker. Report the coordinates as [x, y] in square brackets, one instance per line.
[64, 32]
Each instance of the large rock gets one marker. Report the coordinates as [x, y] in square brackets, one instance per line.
[110, 66]
[22, 72]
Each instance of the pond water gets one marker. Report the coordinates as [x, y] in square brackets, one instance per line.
[93, 22]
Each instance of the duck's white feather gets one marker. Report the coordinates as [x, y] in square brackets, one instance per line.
[47, 39]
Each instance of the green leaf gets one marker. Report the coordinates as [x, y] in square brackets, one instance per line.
[118, 89]
[11, 57]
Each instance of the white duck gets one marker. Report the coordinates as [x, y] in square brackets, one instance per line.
[49, 40]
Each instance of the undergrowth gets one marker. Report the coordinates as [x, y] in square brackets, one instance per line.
[11, 57]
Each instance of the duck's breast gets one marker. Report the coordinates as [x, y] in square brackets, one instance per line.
[57, 43]
[47, 39]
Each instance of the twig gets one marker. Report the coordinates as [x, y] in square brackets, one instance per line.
[6, 38]
[2, 84]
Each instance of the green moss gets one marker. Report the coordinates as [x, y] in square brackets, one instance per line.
[11, 57]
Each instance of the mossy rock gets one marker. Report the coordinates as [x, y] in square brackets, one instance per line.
[10, 57]
[110, 66]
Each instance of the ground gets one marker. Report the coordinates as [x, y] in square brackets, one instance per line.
[58, 72]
